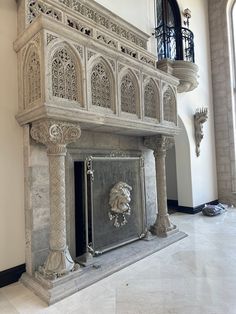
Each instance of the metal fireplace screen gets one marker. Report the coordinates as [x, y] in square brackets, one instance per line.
[115, 204]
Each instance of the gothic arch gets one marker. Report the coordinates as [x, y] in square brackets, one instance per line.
[32, 76]
[101, 83]
[151, 100]
[65, 73]
[169, 105]
[129, 93]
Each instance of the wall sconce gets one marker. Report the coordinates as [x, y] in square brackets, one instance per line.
[187, 14]
[200, 117]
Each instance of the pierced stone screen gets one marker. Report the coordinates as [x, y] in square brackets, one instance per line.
[118, 210]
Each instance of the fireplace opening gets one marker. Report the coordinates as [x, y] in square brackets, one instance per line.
[109, 203]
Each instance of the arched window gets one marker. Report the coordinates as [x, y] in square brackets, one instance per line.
[173, 41]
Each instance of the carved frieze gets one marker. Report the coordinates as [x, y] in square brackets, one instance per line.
[36, 7]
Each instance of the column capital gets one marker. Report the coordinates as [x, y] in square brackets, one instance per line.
[159, 143]
[55, 134]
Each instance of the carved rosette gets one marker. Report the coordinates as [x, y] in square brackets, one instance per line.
[56, 135]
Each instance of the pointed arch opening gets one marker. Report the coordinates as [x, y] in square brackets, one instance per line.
[32, 77]
[129, 93]
[102, 85]
[151, 100]
[66, 75]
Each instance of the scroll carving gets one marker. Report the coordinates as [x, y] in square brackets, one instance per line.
[169, 103]
[36, 7]
[55, 134]
[119, 201]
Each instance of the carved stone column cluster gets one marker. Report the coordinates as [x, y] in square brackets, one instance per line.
[159, 144]
[56, 135]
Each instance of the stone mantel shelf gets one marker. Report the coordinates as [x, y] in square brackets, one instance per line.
[96, 121]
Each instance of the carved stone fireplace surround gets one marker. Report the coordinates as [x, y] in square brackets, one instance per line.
[86, 84]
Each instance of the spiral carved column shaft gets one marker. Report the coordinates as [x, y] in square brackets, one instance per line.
[159, 144]
[56, 135]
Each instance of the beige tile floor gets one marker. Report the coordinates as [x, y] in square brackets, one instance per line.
[196, 275]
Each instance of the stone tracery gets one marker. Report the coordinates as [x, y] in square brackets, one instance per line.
[151, 101]
[32, 79]
[129, 98]
[169, 104]
[65, 80]
[101, 86]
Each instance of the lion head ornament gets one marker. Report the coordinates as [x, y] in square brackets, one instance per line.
[119, 201]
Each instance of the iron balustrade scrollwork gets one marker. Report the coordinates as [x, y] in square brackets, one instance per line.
[175, 43]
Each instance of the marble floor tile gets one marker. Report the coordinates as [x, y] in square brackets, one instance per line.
[196, 275]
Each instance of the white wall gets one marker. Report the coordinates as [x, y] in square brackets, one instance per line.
[202, 172]
[11, 138]
[140, 13]
[203, 168]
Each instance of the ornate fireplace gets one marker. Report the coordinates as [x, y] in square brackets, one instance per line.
[94, 109]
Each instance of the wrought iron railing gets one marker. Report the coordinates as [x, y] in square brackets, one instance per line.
[174, 43]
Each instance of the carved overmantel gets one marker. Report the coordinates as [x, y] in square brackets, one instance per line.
[81, 67]
[80, 62]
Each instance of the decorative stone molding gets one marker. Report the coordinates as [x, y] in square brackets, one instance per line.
[36, 7]
[159, 144]
[89, 10]
[185, 71]
[200, 117]
[56, 135]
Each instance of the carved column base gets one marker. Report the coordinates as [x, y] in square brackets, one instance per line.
[163, 226]
[58, 263]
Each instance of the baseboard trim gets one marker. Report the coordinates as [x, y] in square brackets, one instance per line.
[11, 275]
[189, 210]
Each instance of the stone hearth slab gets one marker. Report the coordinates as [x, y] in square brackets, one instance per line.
[52, 291]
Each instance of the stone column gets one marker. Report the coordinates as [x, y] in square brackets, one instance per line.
[56, 135]
[159, 144]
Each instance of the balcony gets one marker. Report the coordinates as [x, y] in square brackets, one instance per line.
[175, 47]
